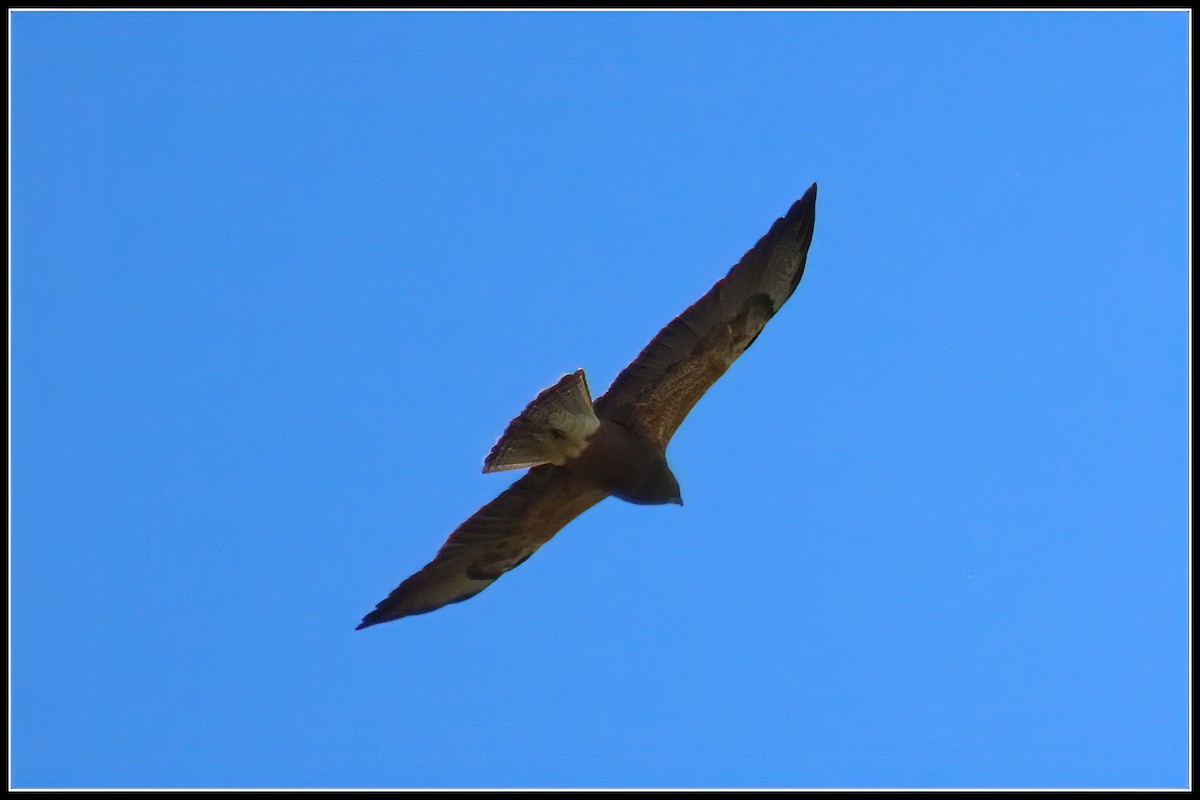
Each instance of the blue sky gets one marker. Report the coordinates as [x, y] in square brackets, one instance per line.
[279, 280]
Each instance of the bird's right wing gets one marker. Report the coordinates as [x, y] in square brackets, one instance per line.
[500, 536]
[655, 392]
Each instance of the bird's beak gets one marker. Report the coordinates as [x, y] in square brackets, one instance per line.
[678, 501]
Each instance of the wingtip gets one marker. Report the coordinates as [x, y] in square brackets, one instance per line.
[374, 618]
[805, 205]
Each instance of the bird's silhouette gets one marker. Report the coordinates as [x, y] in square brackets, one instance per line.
[582, 451]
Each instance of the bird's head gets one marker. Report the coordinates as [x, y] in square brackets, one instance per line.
[666, 486]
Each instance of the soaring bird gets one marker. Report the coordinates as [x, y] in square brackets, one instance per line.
[581, 451]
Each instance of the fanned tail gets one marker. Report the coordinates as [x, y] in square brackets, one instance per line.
[551, 429]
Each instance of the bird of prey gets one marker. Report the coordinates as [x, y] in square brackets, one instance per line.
[581, 451]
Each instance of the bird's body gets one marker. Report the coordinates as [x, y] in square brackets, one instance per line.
[626, 465]
[581, 451]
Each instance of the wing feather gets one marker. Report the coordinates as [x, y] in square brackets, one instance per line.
[499, 537]
[656, 391]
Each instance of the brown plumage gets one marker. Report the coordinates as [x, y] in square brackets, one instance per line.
[582, 452]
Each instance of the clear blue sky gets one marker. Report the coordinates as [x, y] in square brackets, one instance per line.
[280, 280]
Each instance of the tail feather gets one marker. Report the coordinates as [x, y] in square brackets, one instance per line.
[551, 429]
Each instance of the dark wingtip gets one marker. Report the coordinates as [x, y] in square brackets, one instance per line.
[370, 619]
[809, 198]
[805, 207]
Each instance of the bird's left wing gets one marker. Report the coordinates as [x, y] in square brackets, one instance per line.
[654, 393]
[500, 536]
